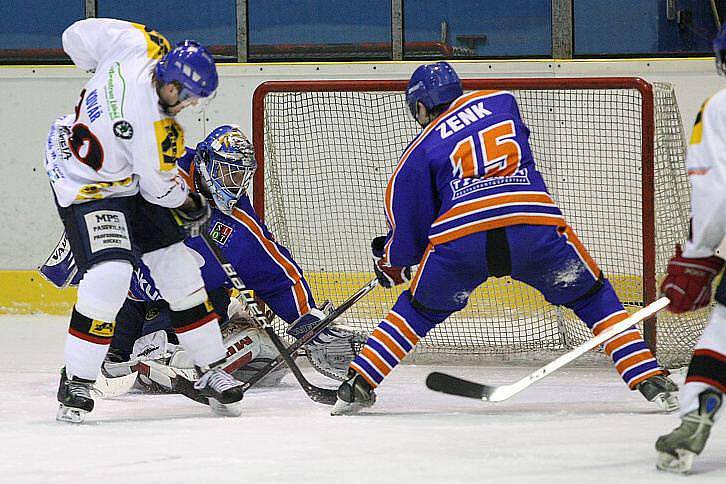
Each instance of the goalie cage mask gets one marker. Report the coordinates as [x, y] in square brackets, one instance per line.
[226, 161]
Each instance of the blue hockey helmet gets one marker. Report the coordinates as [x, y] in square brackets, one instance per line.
[719, 49]
[192, 66]
[226, 161]
[433, 85]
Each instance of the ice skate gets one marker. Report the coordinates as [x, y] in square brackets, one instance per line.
[224, 392]
[677, 449]
[660, 390]
[75, 399]
[354, 395]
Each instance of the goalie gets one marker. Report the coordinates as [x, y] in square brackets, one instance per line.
[466, 203]
[221, 169]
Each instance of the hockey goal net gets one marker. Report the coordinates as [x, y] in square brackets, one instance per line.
[610, 149]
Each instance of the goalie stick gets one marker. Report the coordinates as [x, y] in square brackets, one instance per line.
[442, 382]
[318, 394]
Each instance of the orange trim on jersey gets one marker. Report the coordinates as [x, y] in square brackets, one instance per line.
[402, 326]
[363, 374]
[386, 340]
[99, 340]
[299, 292]
[633, 360]
[701, 171]
[582, 251]
[473, 206]
[621, 341]
[187, 177]
[495, 223]
[422, 264]
[388, 198]
[376, 361]
[634, 383]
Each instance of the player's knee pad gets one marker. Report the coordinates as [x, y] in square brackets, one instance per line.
[421, 318]
[103, 290]
[175, 270]
[597, 303]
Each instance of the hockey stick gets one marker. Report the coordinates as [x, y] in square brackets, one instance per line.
[441, 382]
[110, 387]
[318, 394]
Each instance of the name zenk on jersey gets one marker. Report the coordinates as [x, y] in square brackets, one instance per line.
[475, 163]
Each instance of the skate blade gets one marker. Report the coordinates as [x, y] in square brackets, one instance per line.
[70, 414]
[678, 465]
[226, 409]
[668, 402]
[342, 407]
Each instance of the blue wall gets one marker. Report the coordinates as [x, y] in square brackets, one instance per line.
[513, 28]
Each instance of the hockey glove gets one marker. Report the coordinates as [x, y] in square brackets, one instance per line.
[388, 275]
[688, 283]
[193, 220]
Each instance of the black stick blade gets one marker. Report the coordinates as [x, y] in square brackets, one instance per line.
[441, 382]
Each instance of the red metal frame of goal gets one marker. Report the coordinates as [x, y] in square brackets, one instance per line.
[647, 155]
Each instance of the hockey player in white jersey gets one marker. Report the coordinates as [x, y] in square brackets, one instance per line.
[690, 275]
[113, 173]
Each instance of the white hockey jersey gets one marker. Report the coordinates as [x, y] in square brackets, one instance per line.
[706, 163]
[119, 141]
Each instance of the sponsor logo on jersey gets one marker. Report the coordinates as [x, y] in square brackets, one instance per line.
[152, 313]
[92, 107]
[115, 101]
[107, 229]
[466, 186]
[102, 328]
[170, 142]
[123, 129]
[156, 44]
[221, 233]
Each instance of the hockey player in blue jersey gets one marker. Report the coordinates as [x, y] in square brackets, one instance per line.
[221, 168]
[466, 203]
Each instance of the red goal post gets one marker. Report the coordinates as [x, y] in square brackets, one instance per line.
[568, 117]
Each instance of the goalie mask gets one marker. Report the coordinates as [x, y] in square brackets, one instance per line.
[226, 162]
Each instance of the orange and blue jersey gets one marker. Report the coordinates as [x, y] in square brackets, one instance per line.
[470, 170]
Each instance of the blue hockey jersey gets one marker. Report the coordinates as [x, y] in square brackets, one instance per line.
[469, 170]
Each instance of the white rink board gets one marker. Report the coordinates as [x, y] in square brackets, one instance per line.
[580, 425]
[35, 95]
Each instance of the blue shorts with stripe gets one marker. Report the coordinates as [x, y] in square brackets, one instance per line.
[550, 259]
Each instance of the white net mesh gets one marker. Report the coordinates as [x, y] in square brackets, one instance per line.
[328, 154]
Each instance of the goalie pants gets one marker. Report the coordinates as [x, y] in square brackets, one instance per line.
[550, 259]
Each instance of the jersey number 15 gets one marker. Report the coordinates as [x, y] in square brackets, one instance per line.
[498, 148]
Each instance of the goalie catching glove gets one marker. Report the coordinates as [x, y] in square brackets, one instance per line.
[387, 275]
[332, 350]
[688, 283]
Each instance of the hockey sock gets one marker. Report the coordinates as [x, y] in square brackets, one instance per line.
[86, 345]
[708, 364]
[632, 358]
[199, 334]
[394, 337]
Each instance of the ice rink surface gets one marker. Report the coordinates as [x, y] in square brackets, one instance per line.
[580, 425]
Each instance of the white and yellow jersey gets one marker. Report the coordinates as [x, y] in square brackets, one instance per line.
[706, 163]
[119, 141]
